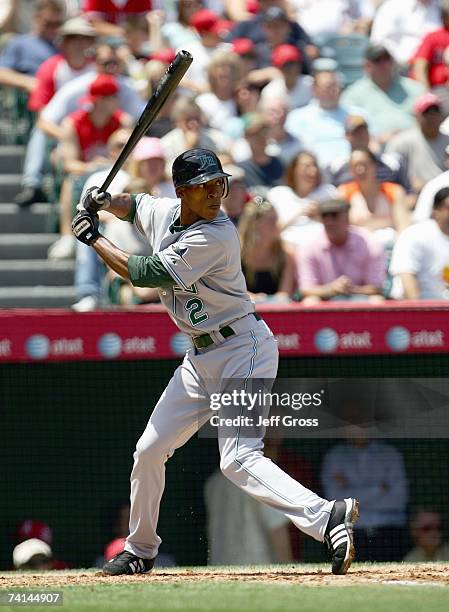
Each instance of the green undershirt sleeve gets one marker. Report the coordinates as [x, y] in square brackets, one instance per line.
[132, 213]
[148, 271]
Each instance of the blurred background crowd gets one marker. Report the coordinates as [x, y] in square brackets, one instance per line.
[330, 115]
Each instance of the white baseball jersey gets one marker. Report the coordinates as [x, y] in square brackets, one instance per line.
[204, 261]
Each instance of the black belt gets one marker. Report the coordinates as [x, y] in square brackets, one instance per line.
[226, 331]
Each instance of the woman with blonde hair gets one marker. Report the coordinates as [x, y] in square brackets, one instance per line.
[267, 264]
[296, 201]
[219, 104]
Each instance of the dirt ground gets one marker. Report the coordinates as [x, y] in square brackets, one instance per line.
[397, 573]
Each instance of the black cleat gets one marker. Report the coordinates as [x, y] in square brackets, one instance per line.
[339, 534]
[127, 563]
[30, 195]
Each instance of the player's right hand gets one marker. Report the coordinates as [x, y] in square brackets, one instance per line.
[94, 200]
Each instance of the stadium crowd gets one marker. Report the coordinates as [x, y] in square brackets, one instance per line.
[330, 115]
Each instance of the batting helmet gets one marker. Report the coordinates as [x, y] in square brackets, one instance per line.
[196, 166]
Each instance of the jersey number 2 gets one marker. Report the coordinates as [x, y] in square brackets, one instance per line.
[194, 307]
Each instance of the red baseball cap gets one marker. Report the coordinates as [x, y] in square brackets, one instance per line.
[103, 85]
[252, 6]
[285, 53]
[242, 46]
[166, 56]
[204, 20]
[223, 26]
[34, 529]
[425, 102]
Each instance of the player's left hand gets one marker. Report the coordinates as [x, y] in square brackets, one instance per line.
[85, 227]
[94, 200]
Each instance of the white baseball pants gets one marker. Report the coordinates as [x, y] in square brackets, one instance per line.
[183, 408]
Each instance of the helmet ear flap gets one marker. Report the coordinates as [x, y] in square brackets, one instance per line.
[225, 187]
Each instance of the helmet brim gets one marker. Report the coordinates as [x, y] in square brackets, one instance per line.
[205, 178]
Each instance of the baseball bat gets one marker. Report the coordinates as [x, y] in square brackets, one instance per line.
[168, 83]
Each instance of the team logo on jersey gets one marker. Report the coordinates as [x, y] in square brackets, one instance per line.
[179, 253]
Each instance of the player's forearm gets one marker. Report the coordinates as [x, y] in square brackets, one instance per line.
[123, 206]
[112, 256]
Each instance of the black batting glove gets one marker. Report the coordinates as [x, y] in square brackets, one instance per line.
[94, 200]
[85, 227]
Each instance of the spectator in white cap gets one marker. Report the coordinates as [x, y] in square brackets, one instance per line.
[424, 146]
[32, 554]
[74, 60]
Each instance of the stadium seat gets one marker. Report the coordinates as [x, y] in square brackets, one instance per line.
[349, 53]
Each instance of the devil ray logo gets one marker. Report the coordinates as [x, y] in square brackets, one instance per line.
[179, 251]
[206, 161]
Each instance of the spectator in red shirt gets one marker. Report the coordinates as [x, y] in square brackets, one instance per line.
[107, 16]
[428, 64]
[83, 149]
[77, 37]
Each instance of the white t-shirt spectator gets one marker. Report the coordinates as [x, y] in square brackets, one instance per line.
[400, 26]
[217, 112]
[300, 95]
[423, 250]
[325, 17]
[66, 100]
[290, 207]
[424, 205]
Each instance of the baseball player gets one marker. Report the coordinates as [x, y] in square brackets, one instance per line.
[196, 267]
